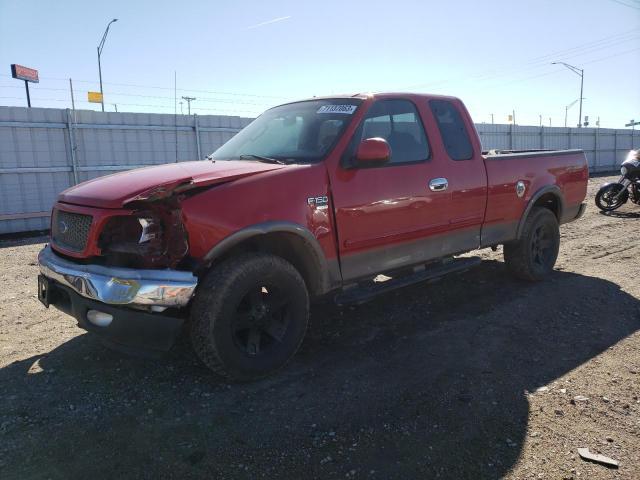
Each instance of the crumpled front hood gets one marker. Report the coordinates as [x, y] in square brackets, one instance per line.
[148, 183]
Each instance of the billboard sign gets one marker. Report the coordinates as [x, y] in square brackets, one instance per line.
[24, 73]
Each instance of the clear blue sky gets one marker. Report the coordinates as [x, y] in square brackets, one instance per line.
[242, 57]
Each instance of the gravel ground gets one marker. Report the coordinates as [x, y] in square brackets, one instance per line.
[477, 376]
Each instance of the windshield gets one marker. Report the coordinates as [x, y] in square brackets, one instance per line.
[296, 132]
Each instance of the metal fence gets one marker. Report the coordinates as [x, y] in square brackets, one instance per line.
[605, 148]
[43, 151]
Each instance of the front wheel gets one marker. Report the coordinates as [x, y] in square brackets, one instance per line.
[609, 198]
[534, 254]
[249, 316]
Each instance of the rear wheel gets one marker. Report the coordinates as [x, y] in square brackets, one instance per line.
[249, 316]
[533, 256]
[608, 197]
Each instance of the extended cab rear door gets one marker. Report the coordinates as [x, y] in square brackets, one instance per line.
[384, 213]
[457, 151]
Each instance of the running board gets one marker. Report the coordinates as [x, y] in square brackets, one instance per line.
[360, 295]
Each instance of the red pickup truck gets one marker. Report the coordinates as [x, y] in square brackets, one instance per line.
[314, 198]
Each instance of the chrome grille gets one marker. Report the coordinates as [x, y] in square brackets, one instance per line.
[70, 230]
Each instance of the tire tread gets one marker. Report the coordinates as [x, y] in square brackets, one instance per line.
[210, 297]
[516, 255]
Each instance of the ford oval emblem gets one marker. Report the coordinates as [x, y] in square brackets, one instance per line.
[63, 227]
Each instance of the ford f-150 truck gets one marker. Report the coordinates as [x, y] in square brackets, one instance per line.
[315, 198]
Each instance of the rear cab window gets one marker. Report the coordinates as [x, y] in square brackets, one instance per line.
[452, 129]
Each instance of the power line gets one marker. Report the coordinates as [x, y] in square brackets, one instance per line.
[556, 71]
[611, 56]
[254, 111]
[132, 85]
[534, 64]
[635, 7]
[39, 88]
[610, 38]
[136, 105]
[572, 53]
[579, 51]
[542, 61]
[111, 94]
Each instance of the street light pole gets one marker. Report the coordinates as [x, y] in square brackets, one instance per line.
[566, 109]
[581, 86]
[100, 47]
[580, 72]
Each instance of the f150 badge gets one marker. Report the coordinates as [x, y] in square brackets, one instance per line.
[322, 201]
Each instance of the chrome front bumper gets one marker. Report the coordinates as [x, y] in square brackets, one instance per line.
[120, 286]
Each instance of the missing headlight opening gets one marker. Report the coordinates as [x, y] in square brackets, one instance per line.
[153, 236]
[150, 229]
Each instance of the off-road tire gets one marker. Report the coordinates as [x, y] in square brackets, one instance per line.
[520, 257]
[215, 306]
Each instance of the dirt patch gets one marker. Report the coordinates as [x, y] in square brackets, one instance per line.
[477, 376]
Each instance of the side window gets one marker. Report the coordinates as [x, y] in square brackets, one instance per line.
[454, 134]
[398, 122]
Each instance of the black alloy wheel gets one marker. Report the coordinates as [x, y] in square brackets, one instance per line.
[542, 246]
[261, 319]
[249, 316]
[534, 254]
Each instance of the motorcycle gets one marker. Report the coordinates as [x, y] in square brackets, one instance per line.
[613, 195]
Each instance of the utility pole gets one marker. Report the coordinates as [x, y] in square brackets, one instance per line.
[540, 119]
[492, 119]
[115, 105]
[632, 124]
[100, 47]
[181, 111]
[189, 100]
[73, 102]
[580, 72]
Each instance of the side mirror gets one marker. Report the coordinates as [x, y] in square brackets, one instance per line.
[373, 150]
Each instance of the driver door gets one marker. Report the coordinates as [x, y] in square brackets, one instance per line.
[387, 215]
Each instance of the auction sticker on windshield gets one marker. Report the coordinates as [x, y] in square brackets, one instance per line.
[347, 109]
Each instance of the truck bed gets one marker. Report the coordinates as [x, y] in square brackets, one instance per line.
[562, 170]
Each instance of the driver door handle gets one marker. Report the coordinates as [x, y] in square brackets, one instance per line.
[438, 184]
